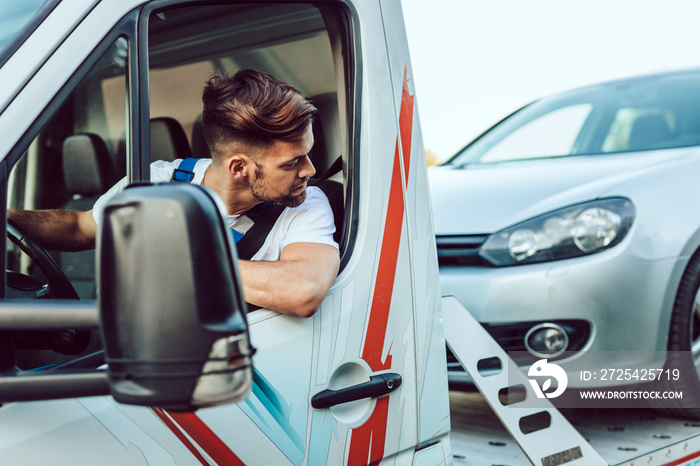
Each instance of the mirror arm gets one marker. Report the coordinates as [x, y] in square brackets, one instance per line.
[46, 387]
[48, 315]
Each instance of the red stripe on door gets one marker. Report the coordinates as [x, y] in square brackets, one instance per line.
[367, 446]
[368, 441]
[386, 270]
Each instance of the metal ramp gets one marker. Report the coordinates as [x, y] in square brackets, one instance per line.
[556, 441]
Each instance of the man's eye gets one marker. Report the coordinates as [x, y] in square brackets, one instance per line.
[294, 163]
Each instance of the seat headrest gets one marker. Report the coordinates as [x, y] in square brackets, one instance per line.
[326, 129]
[168, 140]
[648, 131]
[200, 148]
[87, 165]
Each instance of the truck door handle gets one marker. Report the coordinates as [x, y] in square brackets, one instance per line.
[377, 385]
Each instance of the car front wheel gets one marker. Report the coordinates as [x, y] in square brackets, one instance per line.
[684, 346]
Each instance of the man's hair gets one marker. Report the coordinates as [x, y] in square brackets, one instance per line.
[250, 110]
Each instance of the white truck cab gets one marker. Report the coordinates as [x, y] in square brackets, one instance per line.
[96, 91]
[107, 356]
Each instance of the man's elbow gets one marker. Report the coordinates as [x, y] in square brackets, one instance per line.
[309, 300]
[309, 307]
[306, 311]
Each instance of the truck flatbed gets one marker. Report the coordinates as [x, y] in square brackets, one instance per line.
[622, 436]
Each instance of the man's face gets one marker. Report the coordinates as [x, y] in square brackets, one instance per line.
[284, 172]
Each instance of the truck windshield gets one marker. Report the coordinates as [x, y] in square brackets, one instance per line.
[16, 18]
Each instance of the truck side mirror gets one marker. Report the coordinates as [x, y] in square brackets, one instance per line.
[171, 306]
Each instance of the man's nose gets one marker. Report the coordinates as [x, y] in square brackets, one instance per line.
[307, 170]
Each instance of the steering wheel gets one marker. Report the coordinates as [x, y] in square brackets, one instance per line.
[59, 285]
[69, 342]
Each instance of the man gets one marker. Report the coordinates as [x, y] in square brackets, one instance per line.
[258, 130]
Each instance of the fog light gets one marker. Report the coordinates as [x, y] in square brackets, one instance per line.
[546, 340]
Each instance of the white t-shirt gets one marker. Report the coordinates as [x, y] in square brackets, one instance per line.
[311, 222]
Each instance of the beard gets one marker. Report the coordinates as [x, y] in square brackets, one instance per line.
[259, 188]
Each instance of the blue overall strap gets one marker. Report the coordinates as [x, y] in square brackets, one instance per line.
[237, 235]
[185, 171]
[266, 212]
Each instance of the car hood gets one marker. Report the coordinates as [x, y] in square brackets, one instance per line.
[479, 199]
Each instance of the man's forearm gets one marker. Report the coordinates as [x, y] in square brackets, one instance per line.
[295, 286]
[59, 230]
[275, 285]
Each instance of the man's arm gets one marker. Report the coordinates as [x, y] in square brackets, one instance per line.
[58, 230]
[296, 284]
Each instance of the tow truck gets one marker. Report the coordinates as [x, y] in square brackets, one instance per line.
[143, 352]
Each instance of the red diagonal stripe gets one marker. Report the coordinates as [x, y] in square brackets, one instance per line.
[178, 433]
[206, 439]
[367, 443]
[386, 270]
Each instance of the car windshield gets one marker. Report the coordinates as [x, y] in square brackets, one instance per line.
[15, 17]
[655, 112]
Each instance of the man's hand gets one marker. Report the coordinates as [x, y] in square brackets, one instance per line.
[58, 230]
[296, 284]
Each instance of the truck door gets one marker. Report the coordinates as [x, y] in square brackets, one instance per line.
[359, 342]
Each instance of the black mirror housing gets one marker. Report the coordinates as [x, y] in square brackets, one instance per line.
[171, 306]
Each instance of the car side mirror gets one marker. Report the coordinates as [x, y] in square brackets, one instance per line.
[171, 307]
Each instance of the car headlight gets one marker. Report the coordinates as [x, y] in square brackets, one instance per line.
[574, 231]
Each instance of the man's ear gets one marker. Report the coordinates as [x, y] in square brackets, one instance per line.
[239, 165]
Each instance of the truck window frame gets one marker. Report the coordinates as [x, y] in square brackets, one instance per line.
[126, 28]
[27, 30]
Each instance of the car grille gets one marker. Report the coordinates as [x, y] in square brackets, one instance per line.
[460, 250]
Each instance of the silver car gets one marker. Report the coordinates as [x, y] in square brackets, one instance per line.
[571, 229]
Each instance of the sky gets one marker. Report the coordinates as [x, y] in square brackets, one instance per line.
[476, 61]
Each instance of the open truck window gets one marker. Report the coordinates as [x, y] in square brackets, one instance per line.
[293, 42]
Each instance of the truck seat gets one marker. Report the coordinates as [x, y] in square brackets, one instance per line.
[88, 172]
[326, 128]
[87, 168]
[200, 149]
[168, 140]
[326, 156]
